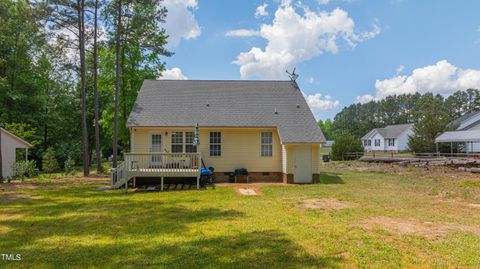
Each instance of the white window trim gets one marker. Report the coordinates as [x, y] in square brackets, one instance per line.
[209, 144]
[184, 141]
[261, 144]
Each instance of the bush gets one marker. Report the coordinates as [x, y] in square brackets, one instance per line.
[69, 166]
[24, 169]
[49, 162]
[343, 144]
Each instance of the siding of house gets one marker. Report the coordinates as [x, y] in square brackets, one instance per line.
[240, 147]
[9, 146]
[402, 144]
[316, 159]
[373, 147]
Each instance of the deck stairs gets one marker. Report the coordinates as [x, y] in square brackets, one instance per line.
[119, 176]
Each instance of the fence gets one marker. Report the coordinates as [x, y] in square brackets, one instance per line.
[390, 154]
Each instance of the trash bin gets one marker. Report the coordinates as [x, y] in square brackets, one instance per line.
[326, 158]
[231, 178]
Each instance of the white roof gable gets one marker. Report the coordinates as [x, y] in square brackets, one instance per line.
[22, 143]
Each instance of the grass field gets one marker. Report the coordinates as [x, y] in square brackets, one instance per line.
[391, 218]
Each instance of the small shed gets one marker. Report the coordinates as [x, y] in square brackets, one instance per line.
[9, 145]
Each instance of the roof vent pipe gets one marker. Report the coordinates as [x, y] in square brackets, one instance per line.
[276, 112]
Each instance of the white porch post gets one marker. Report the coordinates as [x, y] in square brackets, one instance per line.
[161, 183]
[199, 156]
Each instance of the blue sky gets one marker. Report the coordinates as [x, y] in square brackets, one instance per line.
[345, 51]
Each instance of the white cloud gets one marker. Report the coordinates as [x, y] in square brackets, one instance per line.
[441, 78]
[261, 11]
[323, 2]
[180, 22]
[293, 38]
[174, 73]
[319, 103]
[310, 80]
[363, 99]
[242, 33]
[400, 69]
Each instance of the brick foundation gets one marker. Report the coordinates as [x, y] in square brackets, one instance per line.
[252, 177]
[287, 178]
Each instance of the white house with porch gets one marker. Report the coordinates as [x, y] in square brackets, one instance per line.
[391, 138]
[263, 128]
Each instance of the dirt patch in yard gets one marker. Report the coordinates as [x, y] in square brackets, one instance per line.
[409, 226]
[327, 204]
[15, 196]
[249, 191]
[474, 205]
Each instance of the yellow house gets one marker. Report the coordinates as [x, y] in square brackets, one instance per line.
[265, 127]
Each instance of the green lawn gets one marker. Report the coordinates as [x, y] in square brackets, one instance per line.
[67, 223]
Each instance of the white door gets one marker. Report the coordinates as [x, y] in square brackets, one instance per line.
[156, 146]
[303, 164]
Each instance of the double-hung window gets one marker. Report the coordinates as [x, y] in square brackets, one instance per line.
[189, 147]
[183, 142]
[215, 144]
[377, 142]
[266, 144]
[177, 142]
[391, 142]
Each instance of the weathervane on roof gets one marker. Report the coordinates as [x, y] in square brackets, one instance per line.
[292, 75]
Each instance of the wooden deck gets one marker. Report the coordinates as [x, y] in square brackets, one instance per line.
[159, 165]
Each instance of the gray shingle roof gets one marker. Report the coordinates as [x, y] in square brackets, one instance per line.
[463, 118]
[233, 103]
[459, 136]
[391, 131]
[394, 131]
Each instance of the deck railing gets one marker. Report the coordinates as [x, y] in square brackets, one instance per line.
[118, 173]
[154, 162]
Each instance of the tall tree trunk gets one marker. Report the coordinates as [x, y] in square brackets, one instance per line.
[1, 157]
[124, 89]
[95, 92]
[45, 120]
[81, 41]
[117, 81]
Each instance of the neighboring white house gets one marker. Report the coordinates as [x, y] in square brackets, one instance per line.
[467, 132]
[10, 144]
[390, 138]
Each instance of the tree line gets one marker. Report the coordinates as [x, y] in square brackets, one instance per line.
[430, 113]
[70, 71]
